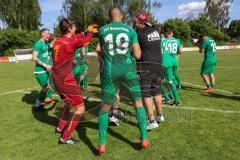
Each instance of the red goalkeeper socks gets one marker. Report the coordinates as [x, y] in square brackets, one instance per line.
[63, 121]
[71, 126]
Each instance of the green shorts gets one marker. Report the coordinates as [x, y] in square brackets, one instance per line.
[110, 86]
[208, 67]
[42, 79]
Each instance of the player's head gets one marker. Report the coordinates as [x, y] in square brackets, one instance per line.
[141, 20]
[168, 33]
[158, 27]
[67, 27]
[44, 33]
[51, 38]
[115, 14]
[203, 36]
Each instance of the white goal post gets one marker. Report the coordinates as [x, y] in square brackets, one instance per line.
[23, 54]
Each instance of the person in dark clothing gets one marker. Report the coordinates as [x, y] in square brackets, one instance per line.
[150, 68]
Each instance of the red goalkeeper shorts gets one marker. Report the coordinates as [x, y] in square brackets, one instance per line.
[68, 89]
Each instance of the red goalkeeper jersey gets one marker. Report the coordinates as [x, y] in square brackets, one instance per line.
[63, 54]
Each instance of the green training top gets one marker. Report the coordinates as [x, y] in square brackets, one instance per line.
[209, 47]
[116, 40]
[170, 47]
[42, 48]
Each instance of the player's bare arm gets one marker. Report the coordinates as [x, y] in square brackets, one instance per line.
[136, 51]
[35, 59]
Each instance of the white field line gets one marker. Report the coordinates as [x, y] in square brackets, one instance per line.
[165, 106]
[19, 90]
[182, 108]
[218, 90]
[189, 69]
[204, 109]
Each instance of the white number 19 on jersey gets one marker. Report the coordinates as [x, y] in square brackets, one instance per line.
[122, 48]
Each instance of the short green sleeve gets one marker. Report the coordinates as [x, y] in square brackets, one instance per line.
[179, 44]
[36, 47]
[134, 37]
[204, 44]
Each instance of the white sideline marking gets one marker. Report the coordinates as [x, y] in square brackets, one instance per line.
[204, 109]
[218, 90]
[16, 91]
[182, 108]
[165, 106]
[189, 69]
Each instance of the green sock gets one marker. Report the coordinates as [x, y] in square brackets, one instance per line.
[102, 126]
[85, 82]
[209, 85]
[50, 93]
[42, 96]
[142, 122]
[212, 85]
[178, 79]
[175, 92]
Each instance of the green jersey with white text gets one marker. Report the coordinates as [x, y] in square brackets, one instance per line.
[42, 48]
[116, 40]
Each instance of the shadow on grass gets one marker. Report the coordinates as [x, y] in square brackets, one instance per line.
[46, 118]
[31, 97]
[194, 89]
[221, 96]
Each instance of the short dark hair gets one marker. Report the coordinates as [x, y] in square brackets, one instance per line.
[168, 31]
[158, 27]
[51, 38]
[65, 24]
[111, 9]
[43, 30]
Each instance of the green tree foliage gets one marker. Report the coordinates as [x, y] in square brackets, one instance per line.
[20, 14]
[17, 39]
[97, 11]
[234, 29]
[218, 12]
[180, 28]
[201, 25]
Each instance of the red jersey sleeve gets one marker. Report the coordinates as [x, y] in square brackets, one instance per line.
[81, 40]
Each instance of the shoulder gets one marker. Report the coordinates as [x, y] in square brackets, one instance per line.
[38, 42]
[103, 28]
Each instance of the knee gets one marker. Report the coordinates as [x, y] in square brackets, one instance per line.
[80, 110]
[138, 103]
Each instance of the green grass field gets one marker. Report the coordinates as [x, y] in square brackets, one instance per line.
[205, 126]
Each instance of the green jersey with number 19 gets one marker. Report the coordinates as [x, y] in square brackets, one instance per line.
[42, 48]
[116, 40]
[209, 47]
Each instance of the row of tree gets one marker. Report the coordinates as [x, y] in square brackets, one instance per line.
[213, 22]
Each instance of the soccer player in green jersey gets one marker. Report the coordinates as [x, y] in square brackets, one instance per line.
[208, 46]
[85, 83]
[80, 65]
[116, 41]
[171, 48]
[51, 90]
[40, 56]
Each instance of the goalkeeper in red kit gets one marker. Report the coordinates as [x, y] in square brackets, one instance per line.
[63, 79]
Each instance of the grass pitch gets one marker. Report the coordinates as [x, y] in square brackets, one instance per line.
[205, 126]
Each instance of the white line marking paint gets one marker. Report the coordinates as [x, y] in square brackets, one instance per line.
[218, 90]
[19, 90]
[189, 69]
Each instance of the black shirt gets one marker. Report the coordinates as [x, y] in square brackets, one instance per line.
[151, 59]
[150, 43]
